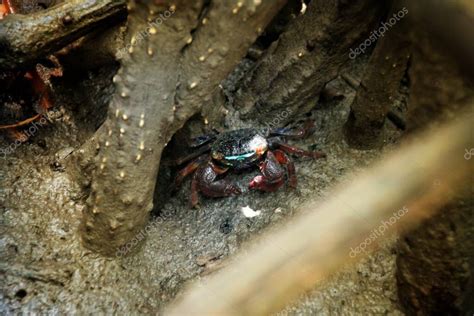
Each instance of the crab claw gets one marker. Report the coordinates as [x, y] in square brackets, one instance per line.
[261, 183]
[272, 176]
[256, 182]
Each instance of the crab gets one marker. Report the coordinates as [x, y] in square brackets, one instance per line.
[240, 150]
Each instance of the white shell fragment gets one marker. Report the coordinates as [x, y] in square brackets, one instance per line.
[249, 212]
[303, 8]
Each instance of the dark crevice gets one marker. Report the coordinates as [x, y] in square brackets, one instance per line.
[406, 76]
[278, 25]
[204, 11]
[397, 114]
[178, 147]
[21, 293]
[202, 14]
[310, 45]
[397, 120]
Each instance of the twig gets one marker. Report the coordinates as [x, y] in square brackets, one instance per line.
[395, 118]
[351, 81]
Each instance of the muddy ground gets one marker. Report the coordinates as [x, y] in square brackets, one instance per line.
[44, 267]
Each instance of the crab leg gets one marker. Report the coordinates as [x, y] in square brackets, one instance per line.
[200, 151]
[298, 151]
[290, 167]
[190, 168]
[194, 192]
[305, 131]
[201, 140]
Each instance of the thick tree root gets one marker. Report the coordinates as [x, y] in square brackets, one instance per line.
[308, 55]
[380, 84]
[26, 38]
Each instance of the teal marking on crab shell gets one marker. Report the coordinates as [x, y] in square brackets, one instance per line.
[239, 157]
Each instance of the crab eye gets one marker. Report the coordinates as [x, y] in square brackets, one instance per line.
[261, 150]
[217, 156]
